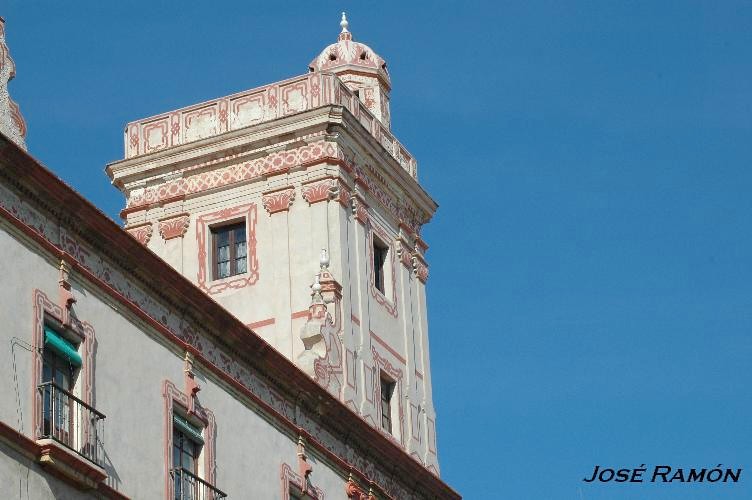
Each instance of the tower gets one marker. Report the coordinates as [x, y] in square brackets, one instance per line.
[294, 207]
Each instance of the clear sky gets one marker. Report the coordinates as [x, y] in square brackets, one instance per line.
[590, 298]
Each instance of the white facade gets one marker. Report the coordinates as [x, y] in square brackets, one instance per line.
[277, 369]
[306, 166]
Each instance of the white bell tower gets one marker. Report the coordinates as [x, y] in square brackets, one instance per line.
[242, 193]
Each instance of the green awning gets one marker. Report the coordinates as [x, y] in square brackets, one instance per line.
[187, 428]
[62, 347]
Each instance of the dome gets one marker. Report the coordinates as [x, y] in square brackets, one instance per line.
[350, 55]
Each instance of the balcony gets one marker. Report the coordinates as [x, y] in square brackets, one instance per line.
[190, 487]
[72, 423]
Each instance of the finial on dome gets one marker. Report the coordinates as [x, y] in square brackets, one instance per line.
[344, 34]
[344, 23]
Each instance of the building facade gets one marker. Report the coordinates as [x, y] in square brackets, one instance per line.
[257, 330]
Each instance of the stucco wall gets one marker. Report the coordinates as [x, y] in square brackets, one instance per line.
[131, 364]
[288, 242]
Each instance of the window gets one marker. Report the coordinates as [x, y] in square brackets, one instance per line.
[229, 250]
[187, 441]
[387, 391]
[60, 361]
[185, 446]
[380, 253]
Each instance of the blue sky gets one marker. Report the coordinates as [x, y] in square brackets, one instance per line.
[590, 298]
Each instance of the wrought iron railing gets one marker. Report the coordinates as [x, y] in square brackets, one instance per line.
[71, 422]
[188, 486]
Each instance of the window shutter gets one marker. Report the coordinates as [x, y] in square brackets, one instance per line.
[188, 429]
[62, 347]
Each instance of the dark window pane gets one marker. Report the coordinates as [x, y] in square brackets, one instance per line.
[230, 250]
[223, 237]
[240, 233]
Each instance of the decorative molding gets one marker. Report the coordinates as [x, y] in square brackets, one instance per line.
[47, 312]
[136, 297]
[355, 492]
[396, 375]
[174, 397]
[260, 324]
[174, 226]
[12, 124]
[360, 209]
[279, 200]
[405, 256]
[289, 478]
[316, 191]
[388, 303]
[142, 232]
[421, 267]
[343, 193]
[275, 162]
[203, 222]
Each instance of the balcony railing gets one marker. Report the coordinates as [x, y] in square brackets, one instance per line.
[191, 487]
[71, 422]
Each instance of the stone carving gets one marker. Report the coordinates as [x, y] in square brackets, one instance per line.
[12, 124]
[141, 233]
[174, 227]
[279, 200]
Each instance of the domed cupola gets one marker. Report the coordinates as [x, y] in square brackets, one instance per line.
[360, 68]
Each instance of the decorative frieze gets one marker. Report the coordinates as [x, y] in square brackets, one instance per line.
[174, 226]
[278, 200]
[12, 124]
[142, 232]
[316, 191]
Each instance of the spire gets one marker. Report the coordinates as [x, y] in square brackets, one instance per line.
[344, 35]
[12, 124]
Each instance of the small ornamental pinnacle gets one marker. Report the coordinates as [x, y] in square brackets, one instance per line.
[344, 35]
[12, 124]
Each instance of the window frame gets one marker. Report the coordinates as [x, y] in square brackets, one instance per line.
[380, 258]
[387, 388]
[232, 227]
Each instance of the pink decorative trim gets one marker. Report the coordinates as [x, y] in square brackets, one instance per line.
[351, 369]
[232, 372]
[289, 477]
[259, 324]
[361, 211]
[316, 191]
[278, 200]
[344, 195]
[355, 319]
[172, 397]
[142, 232]
[421, 268]
[396, 375]
[405, 257]
[300, 314]
[273, 163]
[415, 425]
[421, 245]
[389, 303]
[386, 346]
[175, 226]
[45, 311]
[202, 225]
[431, 437]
